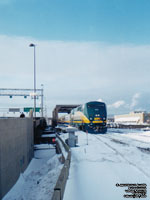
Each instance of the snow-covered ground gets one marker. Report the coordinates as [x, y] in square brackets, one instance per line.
[118, 157]
[39, 179]
[98, 163]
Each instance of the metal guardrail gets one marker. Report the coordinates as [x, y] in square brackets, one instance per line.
[61, 182]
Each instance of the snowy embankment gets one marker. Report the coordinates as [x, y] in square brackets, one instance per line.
[118, 157]
[39, 179]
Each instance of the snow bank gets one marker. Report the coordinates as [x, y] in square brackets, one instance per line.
[38, 181]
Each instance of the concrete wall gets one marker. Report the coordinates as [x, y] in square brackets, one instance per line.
[16, 150]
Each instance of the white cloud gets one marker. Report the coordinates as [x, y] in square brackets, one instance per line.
[100, 100]
[75, 72]
[117, 104]
[134, 100]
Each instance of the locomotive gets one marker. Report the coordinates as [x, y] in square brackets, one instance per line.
[90, 117]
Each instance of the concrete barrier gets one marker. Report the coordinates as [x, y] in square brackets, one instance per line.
[64, 144]
[16, 150]
[61, 182]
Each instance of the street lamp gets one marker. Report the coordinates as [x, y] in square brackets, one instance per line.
[33, 45]
[42, 95]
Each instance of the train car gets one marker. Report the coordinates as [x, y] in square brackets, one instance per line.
[90, 117]
[65, 120]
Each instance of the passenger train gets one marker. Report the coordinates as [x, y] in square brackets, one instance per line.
[90, 117]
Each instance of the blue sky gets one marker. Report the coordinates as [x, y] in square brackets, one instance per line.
[114, 21]
[86, 50]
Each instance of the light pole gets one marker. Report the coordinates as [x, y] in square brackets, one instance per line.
[42, 95]
[33, 45]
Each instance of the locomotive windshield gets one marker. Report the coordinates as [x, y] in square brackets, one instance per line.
[97, 109]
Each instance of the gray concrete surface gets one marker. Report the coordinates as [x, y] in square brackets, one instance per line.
[16, 150]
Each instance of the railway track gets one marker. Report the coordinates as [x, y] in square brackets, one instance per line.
[123, 156]
[127, 140]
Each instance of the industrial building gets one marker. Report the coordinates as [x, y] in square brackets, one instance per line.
[136, 117]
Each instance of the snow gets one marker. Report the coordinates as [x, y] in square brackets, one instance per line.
[108, 159]
[98, 163]
[143, 136]
[48, 135]
[39, 179]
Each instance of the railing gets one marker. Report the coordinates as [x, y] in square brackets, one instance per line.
[61, 182]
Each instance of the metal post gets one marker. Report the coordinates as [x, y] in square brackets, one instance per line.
[87, 137]
[33, 45]
[34, 84]
[42, 95]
